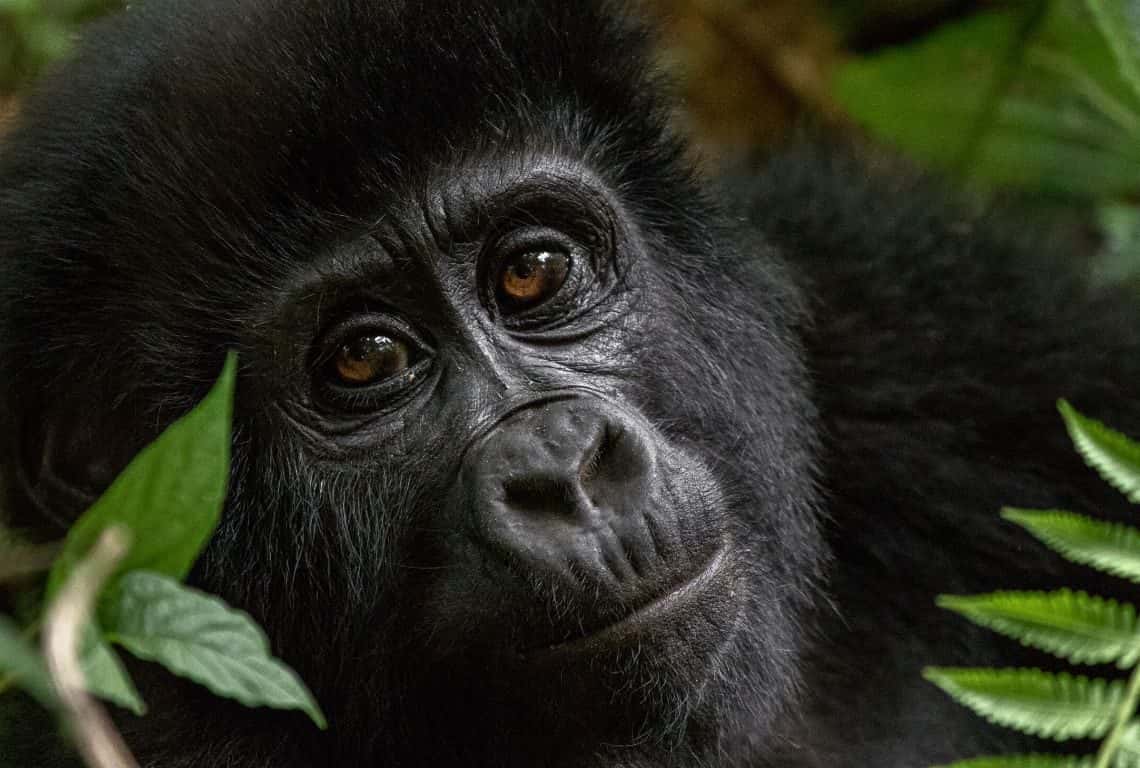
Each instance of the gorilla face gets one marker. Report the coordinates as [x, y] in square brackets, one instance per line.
[522, 446]
[516, 463]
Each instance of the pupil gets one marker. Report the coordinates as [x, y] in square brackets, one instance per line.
[533, 277]
[367, 359]
[374, 348]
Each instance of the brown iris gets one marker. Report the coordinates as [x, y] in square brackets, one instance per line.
[531, 278]
[370, 358]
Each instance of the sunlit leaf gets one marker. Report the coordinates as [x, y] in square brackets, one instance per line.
[1110, 453]
[1079, 627]
[1055, 706]
[1111, 547]
[1128, 749]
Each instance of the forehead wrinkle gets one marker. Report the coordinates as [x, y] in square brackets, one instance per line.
[345, 268]
[414, 246]
[449, 201]
[463, 196]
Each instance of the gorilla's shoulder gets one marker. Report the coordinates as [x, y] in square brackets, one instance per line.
[934, 301]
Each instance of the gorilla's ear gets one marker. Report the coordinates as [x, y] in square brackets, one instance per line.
[65, 461]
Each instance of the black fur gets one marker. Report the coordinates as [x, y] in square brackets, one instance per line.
[839, 372]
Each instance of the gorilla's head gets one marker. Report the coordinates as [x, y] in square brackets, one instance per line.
[523, 446]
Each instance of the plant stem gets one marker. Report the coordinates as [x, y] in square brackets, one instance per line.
[99, 744]
[1123, 718]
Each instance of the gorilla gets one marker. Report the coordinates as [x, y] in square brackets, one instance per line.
[547, 450]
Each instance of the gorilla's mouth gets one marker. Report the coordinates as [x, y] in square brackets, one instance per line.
[678, 607]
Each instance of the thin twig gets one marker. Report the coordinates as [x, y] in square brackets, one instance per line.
[99, 743]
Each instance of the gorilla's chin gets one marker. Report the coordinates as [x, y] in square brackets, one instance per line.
[647, 669]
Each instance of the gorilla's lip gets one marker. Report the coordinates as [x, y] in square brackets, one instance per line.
[659, 609]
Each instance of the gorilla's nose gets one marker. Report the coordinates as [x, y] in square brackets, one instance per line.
[567, 486]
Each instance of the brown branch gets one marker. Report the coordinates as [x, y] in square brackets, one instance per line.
[98, 741]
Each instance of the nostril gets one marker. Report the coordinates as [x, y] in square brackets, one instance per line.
[562, 465]
[533, 494]
[617, 464]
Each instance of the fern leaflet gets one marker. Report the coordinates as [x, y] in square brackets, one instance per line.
[1110, 453]
[1054, 706]
[1025, 761]
[1110, 547]
[1073, 625]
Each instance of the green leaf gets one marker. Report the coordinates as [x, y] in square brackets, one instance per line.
[1128, 749]
[1025, 761]
[105, 675]
[1110, 547]
[1110, 453]
[1076, 626]
[21, 663]
[1119, 22]
[201, 638]
[927, 97]
[170, 497]
[1009, 97]
[1059, 707]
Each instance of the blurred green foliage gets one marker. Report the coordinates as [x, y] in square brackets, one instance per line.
[33, 33]
[1034, 98]
[1041, 96]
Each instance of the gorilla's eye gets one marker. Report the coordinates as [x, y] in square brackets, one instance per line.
[370, 358]
[532, 277]
[542, 280]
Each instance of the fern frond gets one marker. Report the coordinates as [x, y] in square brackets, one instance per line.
[1053, 706]
[1073, 625]
[1110, 547]
[1128, 750]
[1026, 761]
[1110, 453]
